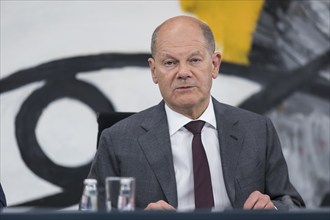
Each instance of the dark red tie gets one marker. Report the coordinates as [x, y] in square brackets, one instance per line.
[202, 177]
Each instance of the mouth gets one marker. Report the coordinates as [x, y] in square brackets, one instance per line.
[184, 88]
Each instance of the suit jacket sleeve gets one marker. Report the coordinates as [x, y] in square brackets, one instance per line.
[277, 176]
[104, 165]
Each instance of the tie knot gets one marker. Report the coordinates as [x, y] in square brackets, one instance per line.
[195, 127]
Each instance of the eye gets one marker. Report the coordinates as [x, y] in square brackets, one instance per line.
[170, 63]
[195, 60]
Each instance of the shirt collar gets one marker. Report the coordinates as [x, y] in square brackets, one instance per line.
[176, 120]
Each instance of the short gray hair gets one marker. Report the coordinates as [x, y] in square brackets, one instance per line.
[206, 30]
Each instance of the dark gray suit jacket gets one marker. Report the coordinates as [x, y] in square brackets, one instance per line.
[251, 156]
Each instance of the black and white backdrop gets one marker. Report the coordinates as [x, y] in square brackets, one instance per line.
[64, 61]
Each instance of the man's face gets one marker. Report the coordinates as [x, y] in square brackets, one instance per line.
[184, 68]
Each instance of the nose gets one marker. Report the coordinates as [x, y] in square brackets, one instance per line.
[184, 71]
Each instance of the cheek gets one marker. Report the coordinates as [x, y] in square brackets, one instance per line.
[206, 87]
[164, 84]
[206, 80]
[166, 78]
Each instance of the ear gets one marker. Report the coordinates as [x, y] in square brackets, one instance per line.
[216, 61]
[152, 67]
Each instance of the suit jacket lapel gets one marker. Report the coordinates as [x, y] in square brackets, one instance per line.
[156, 146]
[230, 140]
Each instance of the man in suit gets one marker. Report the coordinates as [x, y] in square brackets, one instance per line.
[245, 163]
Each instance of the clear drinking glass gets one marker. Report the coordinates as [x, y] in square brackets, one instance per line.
[120, 193]
[88, 200]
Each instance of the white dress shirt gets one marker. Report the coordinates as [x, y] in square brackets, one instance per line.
[181, 140]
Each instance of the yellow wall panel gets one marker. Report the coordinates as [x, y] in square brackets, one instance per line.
[233, 23]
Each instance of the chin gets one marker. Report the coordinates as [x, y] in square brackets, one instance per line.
[186, 104]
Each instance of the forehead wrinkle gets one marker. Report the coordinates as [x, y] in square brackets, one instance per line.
[166, 54]
[174, 49]
[181, 43]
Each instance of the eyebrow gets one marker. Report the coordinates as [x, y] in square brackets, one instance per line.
[196, 53]
[166, 55]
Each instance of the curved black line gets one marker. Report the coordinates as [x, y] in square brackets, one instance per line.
[283, 86]
[27, 118]
[69, 67]
[82, 64]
